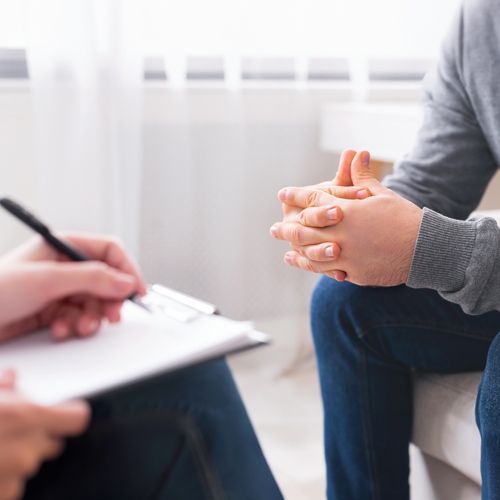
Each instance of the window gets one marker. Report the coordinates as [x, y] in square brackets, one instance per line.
[274, 39]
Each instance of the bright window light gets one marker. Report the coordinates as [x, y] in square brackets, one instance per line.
[276, 28]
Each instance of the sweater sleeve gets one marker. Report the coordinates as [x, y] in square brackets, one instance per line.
[459, 259]
[450, 164]
[447, 172]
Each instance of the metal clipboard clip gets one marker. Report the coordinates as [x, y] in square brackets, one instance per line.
[176, 305]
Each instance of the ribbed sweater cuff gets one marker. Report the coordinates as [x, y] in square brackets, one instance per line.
[442, 252]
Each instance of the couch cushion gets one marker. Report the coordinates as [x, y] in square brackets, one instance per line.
[444, 420]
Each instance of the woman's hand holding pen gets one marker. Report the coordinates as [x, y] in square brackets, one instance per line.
[40, 288]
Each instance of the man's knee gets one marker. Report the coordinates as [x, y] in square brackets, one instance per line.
[488, 402]
[335, 307]
[334, 301]
[329, 297]
[341, 307]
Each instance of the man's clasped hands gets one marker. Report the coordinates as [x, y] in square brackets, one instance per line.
[352, 228]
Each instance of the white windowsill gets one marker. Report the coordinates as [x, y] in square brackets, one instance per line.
[8, 84]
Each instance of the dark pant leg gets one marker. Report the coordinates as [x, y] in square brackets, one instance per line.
[488, 421]
[368, 343]
[181, 436]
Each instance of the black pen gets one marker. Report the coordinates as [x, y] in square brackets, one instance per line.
[39, 227]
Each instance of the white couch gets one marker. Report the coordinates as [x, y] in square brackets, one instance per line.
[446, 455]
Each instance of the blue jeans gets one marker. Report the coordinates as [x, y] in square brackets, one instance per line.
[182, 436]
[369, 342]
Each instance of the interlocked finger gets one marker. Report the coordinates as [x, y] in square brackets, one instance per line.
[293, 258]
[297, 234]
[320, 216]
[324, 252]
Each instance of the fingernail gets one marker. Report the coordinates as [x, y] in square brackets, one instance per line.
[91, 326]
[365, 159]
[60, 331]
[288, 258]
[329, 251]
[331, 214]
[283, 194]
[363, 193]
[274, 230]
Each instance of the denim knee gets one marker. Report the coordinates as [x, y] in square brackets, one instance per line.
[340, 306]
[350, 314]
[488, 400]
[335, 312]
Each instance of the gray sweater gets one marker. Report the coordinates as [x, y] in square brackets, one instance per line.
[456, 153]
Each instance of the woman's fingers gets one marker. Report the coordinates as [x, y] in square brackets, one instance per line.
[94, 278]
[54, 447]
[83, 316]
[60, 328]
[90, 319]
[324, 252]
[11, 487]
[109, 250]
[112, 311]
[65, 323]
[64, 419]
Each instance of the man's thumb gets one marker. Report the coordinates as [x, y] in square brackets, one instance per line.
[362, 175]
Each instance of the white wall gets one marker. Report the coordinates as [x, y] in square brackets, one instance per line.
[211, 174]
[16, 160]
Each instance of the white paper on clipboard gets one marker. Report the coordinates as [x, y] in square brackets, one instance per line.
[140, 346]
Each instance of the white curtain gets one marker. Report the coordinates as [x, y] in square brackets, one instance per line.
[86, 74]
[212, 167]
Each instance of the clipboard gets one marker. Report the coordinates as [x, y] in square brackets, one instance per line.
[179, 306]
[179, 332]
